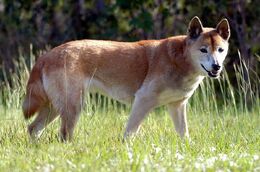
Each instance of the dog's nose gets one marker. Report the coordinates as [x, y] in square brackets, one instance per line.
[216, 67]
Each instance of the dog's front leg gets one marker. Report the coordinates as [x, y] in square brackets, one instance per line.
[143, 103]
[178, 114]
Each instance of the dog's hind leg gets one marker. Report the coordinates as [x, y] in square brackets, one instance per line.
[70, 115]
[45, 116]
[70, 111]
[68, 122]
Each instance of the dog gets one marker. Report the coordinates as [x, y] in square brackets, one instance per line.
[147, 73]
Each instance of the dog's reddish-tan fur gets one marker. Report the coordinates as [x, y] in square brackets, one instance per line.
[60, 77]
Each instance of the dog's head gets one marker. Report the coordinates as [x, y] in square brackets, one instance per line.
[208, 47]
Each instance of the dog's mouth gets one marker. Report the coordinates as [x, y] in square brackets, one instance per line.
[213, 74]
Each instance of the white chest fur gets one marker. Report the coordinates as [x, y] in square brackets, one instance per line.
[180, 93]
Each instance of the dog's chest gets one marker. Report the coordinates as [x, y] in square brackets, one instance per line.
[170, 95]
[174, 94]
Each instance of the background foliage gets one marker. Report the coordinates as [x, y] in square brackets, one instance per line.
[43, 24]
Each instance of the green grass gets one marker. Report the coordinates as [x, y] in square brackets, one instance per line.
[218, 142]
[225, 134]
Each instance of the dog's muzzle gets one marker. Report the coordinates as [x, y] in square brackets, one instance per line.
[215, 72]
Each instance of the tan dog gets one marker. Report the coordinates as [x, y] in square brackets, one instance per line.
[148, 73]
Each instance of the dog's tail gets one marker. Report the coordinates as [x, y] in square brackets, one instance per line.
[35, 96]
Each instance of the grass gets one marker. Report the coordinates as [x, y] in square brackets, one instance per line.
[225, 134]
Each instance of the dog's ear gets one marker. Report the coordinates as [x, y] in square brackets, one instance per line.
[195, 28]
[223, 29]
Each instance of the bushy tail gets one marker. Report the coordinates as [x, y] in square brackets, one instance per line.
[35, 96]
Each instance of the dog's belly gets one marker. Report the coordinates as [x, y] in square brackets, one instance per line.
[117, 92]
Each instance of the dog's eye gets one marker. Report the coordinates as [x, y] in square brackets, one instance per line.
[220, 50]
[203, 50]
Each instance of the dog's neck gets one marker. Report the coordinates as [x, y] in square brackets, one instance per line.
[179, 56]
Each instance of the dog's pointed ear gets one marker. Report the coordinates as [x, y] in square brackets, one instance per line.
[223, 29]
[195, 28]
